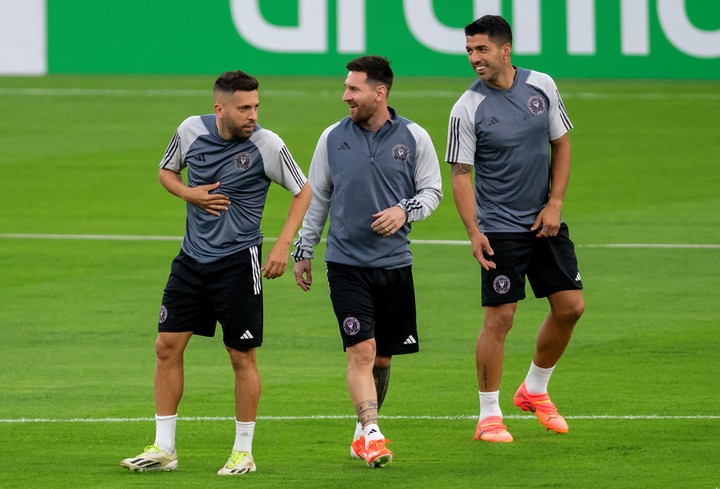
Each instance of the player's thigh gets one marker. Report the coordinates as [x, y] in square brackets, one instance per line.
[505, 283]
[554, 266]
[352, 301]
[183, 307]
[396, 330]
[235, 292]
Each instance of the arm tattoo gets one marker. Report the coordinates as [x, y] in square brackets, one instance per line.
[461, 169]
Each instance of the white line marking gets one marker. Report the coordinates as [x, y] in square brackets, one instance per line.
[452, 94]
[91, 237]
[117, 237]
[333, 417]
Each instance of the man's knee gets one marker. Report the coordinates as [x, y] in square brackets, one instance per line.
[169, 346]
[569, 307]
[362, 354]
[242, 359]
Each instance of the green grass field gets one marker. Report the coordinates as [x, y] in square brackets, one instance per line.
[79, 300]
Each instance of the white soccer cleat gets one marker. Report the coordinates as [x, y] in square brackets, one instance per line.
[153, 458]
[239, 463]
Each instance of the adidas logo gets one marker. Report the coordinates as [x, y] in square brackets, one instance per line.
[344, 146]
[247, 336]
[493, 120]
[577, 277]
[410, 340]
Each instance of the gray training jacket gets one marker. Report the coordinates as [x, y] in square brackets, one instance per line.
[356, 173]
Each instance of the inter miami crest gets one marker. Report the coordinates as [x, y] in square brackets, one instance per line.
[501, 284]
[243, 161]
[400, 152]
[351, 326]
[536, 105]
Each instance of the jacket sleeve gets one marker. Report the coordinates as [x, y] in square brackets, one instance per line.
[428, 183]
[321, 184]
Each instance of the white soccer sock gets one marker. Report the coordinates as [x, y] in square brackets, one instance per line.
[165, 432]
[372, 432]
[489, 404]
[244, 432]
[537, 379]
[358, 431]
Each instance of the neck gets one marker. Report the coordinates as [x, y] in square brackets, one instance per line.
[374, 123]
[505, 79]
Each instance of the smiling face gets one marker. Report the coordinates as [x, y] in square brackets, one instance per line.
[365, 99]
[490, 62]
[236, 113]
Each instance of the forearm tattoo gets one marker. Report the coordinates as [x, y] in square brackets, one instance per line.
[367, 412]
[461, 169]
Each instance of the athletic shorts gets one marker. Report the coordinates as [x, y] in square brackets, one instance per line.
[375, 303]
[549, 263]
[228, 291]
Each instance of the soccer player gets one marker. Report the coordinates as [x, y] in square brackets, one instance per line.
[375, 173]
[511, 127]
[217, 277]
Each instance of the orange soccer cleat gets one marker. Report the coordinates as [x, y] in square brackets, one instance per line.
[491, 429]
[376, 454]
[542, 407]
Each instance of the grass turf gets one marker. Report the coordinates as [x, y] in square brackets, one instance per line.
[637, 383]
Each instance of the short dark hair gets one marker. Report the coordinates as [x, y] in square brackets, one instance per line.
[377, 69]
[232, 81]
[496, 28]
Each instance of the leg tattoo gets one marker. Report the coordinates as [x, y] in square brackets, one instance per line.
[367, 412]
[382, 381]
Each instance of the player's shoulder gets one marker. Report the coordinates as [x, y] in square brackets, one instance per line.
[344, 125]
[264, 136]
[470, 98]
[195, 123]
[418, 132]
[538, 79]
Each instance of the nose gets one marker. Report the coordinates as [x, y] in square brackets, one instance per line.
[347, 96]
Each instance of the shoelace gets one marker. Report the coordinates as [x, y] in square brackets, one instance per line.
[237, 457]
[154, 448]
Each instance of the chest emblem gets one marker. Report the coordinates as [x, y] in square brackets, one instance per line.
[536, 105]
[400, 152]
[243, 161]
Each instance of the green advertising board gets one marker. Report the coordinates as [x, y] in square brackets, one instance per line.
[671, 39]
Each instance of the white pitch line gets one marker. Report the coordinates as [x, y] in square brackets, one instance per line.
[164, 92]
[448, 242]
[91, 237]
[338, 417]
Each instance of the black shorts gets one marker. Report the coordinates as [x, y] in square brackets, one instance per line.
[228, 291]
[549, 263]
[375, 303]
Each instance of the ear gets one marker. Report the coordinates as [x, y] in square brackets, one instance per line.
[218, 109]
[506, 50]
[381, 92]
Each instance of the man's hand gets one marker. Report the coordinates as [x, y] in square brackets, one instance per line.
[303, 274]
[479, 243]
[548, 221]
[276, 261]
[201, 197]
[388, 221]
